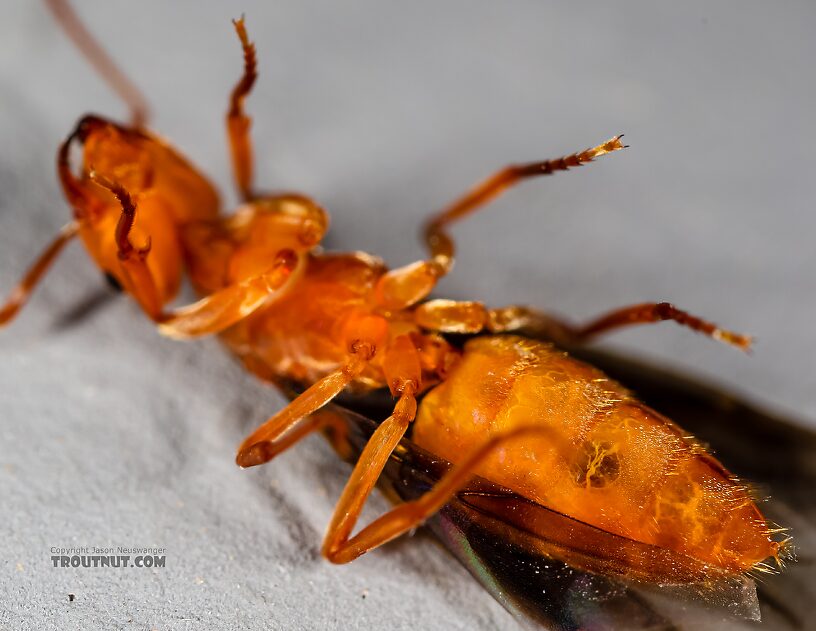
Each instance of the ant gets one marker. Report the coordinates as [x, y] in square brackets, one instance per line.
[519, 412]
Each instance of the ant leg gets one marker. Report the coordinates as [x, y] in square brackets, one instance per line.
[238, 123]
[99, 59]
[227, 306]
[320, 420]
[282, 430]
[363, 335]
[211, 314]
[403, 373]
[645, 313]
[339, 548]
[335, 431]
[449, 316]
[405, 286]
[21, 293]
[272, 438]
[452, 316]
[337, 545]
[437, 239]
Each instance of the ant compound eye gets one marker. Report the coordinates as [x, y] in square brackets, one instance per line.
[113, 282]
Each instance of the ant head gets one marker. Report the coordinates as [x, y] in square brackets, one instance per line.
[132, 192]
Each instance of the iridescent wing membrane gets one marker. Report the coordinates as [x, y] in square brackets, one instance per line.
[554, 571]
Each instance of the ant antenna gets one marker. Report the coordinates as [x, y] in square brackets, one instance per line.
[99, 59]
[238, 123]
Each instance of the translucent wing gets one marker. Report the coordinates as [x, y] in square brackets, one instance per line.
[776, 454]
[553, 571]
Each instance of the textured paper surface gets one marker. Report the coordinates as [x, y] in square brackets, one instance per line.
[111, 435]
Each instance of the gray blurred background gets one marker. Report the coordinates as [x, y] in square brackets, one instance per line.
[383, 112]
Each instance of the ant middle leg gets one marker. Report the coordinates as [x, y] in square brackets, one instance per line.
[449, 316]
[238, 123]
[338, 545]
[405, 286]
[403, 374]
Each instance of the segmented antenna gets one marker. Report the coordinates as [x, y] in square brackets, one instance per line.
[69, 21]
[238, 123]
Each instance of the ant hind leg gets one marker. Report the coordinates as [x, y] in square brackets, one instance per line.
[363, 335]
[451, 316]
[403, 374]
[645, 313]
[405, 286]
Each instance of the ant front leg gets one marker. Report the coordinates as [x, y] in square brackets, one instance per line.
[405, 286]
[288, 426]
[225, 307]
[450, 316]
[209, 315]
[21, 293]
[364, 335]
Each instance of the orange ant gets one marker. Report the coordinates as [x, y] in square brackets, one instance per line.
[518, 412]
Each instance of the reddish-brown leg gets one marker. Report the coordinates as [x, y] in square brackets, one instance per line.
[337, 544]
[362, 336]
[225, 307]
[99, 59]
[280, 431]
[21, 293]
[238, 123]
[405, 286]
[403, 374]
[209, 315]
[645, 313]
[320, 420]
[450, 316]
[339, 548]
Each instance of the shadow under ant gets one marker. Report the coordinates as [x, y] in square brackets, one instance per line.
[90, 304]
